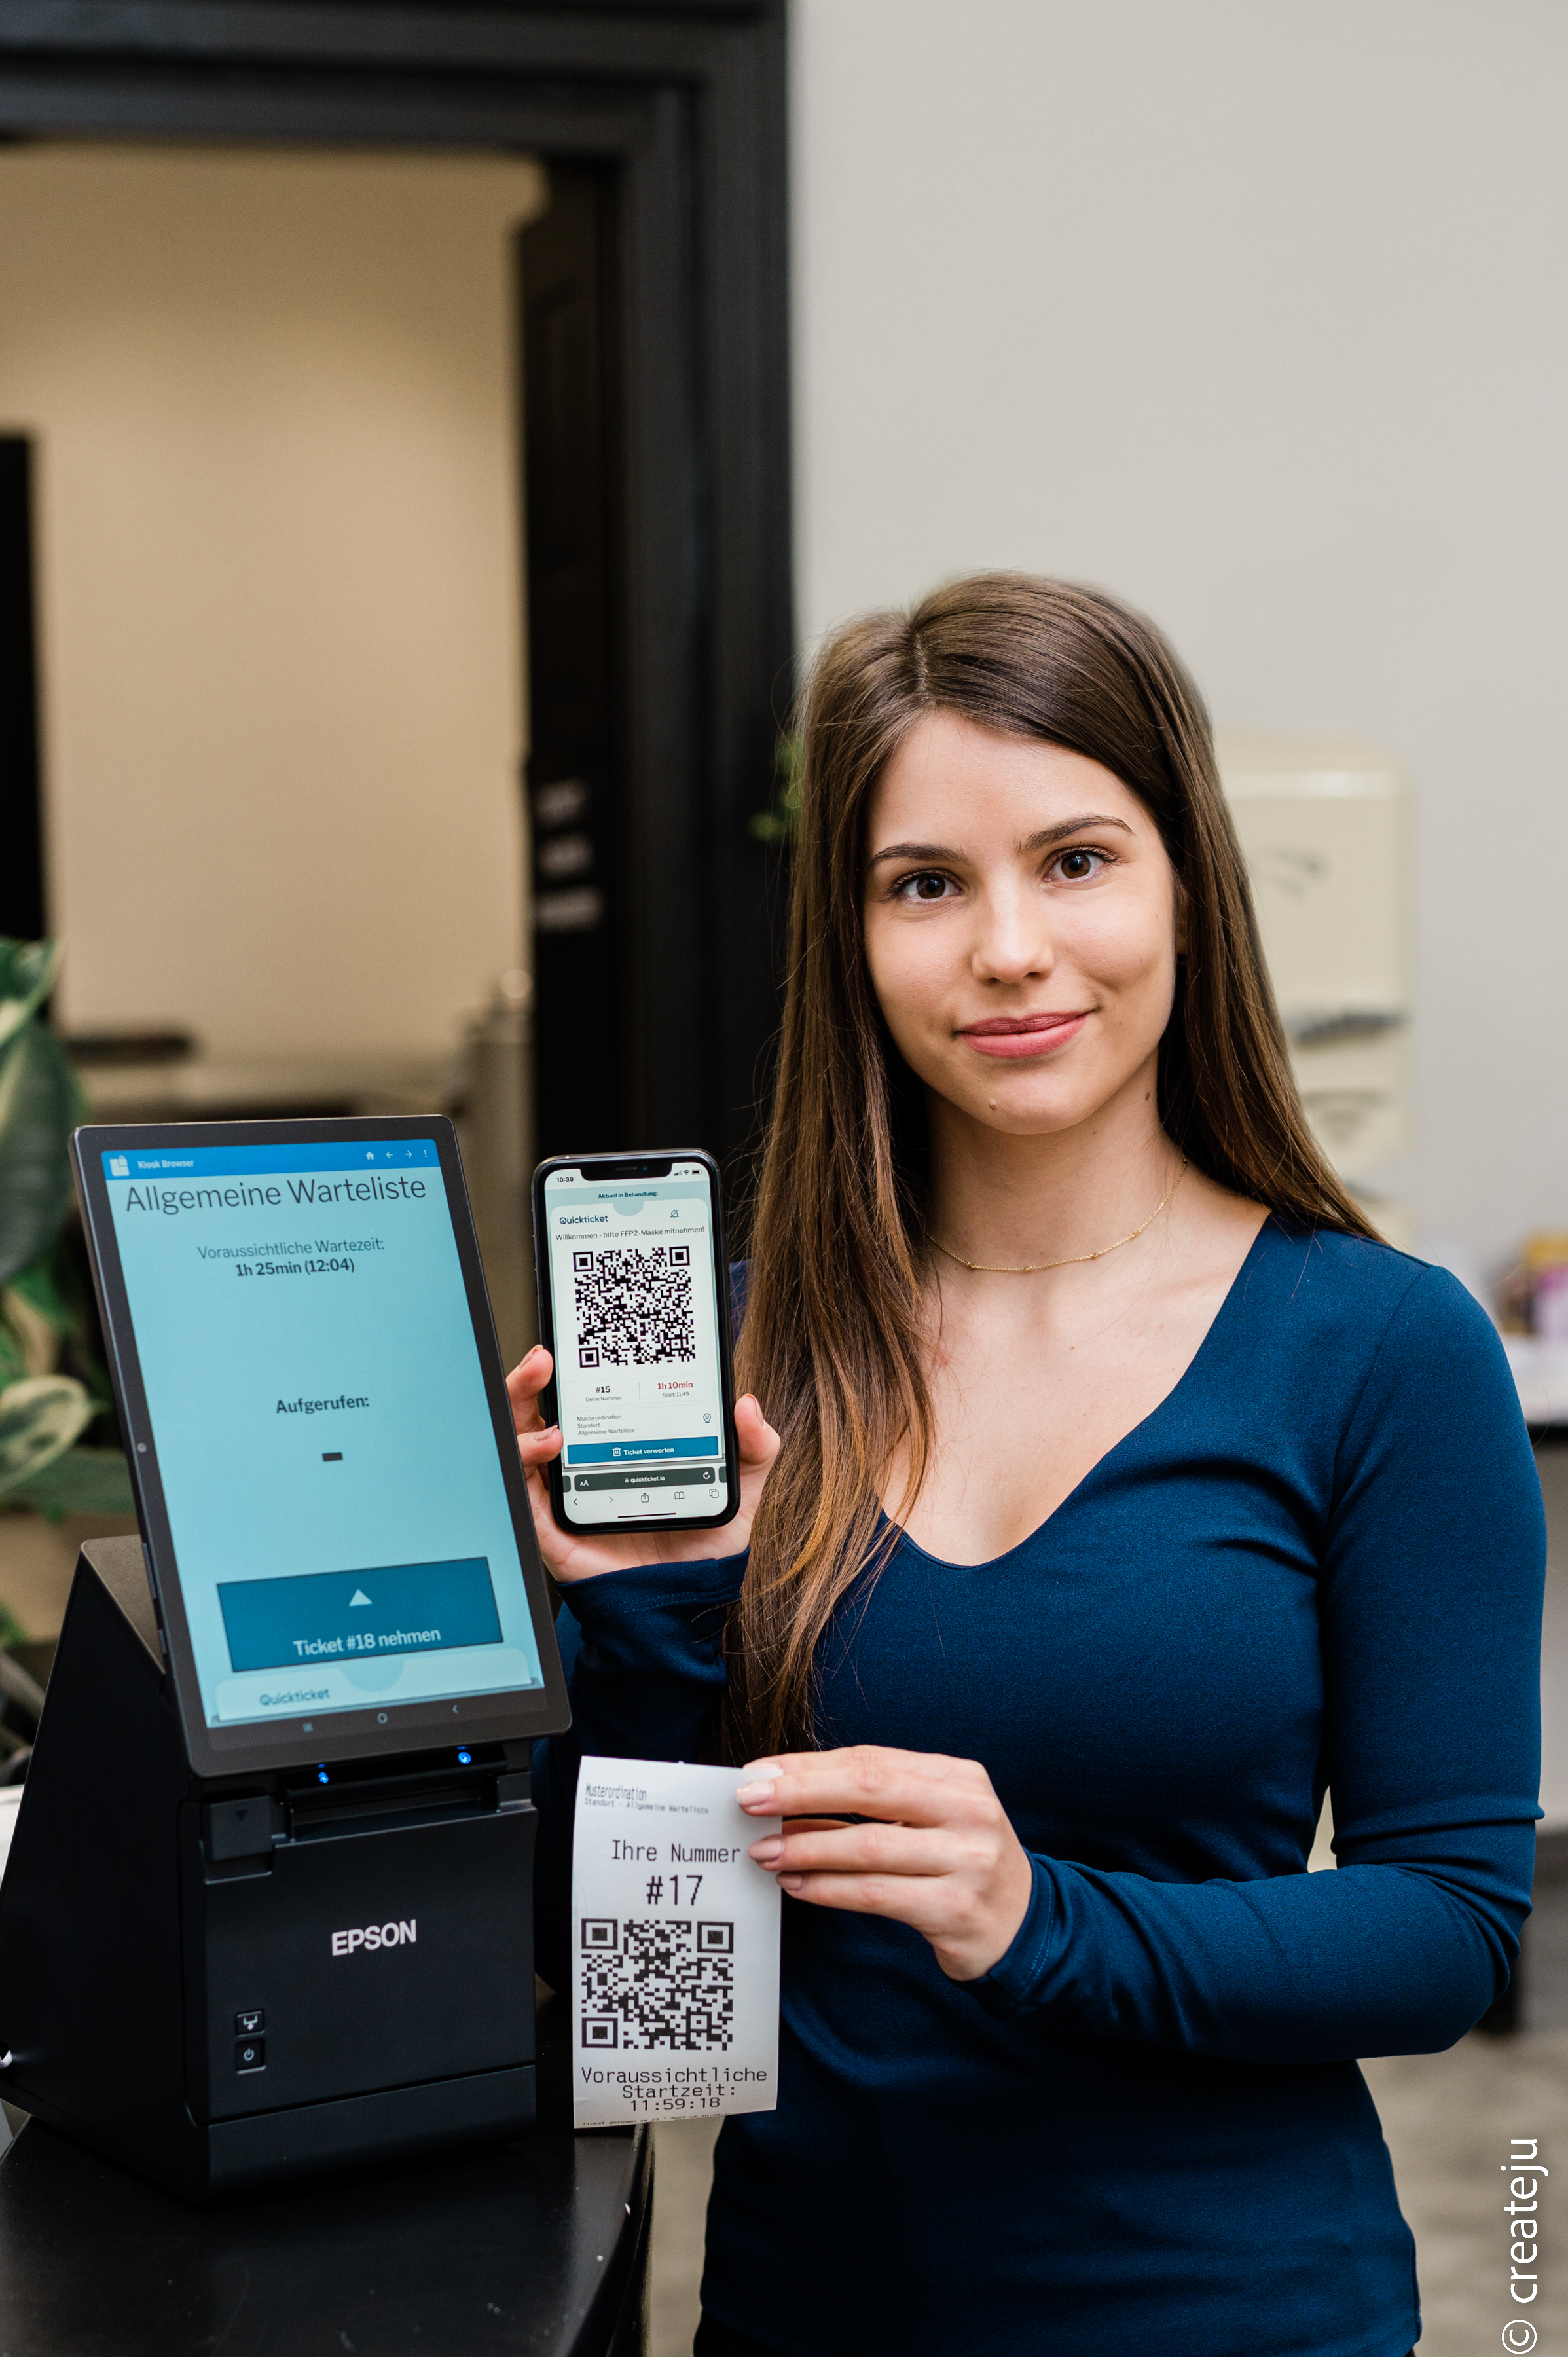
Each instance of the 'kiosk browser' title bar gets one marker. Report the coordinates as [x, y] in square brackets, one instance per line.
[233, 1161]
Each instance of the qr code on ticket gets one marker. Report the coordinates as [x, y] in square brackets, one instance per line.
[634, 1308]
[657, 1984]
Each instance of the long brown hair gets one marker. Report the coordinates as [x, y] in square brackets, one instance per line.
[831, 1342]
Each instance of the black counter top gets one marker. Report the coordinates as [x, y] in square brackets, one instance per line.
[537, 2245]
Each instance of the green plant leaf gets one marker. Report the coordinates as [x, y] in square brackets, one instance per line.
[38, 1112]
[771, 826]
[13, 1357]
[28, 971]
[79, 1481]
[39, 1421]
[40, 1287]
[780, 823]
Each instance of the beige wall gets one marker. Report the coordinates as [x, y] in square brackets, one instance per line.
[1253, 313]
[281, 651]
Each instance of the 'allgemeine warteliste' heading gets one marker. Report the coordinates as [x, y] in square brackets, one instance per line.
[371, 1189]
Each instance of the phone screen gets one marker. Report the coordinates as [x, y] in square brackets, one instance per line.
[637, 1335]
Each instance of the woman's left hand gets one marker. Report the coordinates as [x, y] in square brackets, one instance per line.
[940, 1857]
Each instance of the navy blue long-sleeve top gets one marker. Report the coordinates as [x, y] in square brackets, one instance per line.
[1317, 1564]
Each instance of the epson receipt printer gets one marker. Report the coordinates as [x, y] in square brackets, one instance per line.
[268, 1907]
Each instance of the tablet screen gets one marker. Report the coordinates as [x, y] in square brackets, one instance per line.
[326, 1450]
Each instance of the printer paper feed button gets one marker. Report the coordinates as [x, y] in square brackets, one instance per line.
[243, 1828]
[247, 2024]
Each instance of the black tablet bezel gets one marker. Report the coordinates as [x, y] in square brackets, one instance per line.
[417, 1726]
[640, 1166]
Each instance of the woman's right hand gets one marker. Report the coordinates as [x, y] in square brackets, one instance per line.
[569, 1558]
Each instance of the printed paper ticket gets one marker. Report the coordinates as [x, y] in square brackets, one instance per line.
[675, 1947]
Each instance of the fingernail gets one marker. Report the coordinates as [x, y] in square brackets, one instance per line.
[792, 1883]
[750, 1794]
[769, 1852]
[762, 1768]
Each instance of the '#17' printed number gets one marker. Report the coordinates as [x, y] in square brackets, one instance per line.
[694, 1883]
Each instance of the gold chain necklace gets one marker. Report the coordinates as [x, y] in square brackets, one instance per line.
[1038, 1267]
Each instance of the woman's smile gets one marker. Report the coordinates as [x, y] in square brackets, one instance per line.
[1024, 1035]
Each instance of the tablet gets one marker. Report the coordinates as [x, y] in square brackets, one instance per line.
[338, 1530]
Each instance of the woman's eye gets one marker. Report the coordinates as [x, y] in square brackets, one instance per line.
[1075, 866]
[928, 886]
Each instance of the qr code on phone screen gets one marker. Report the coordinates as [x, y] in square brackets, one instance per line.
[655, 1983]
[635, 1309]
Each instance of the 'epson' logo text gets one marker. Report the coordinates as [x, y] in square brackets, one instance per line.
[375, 1935]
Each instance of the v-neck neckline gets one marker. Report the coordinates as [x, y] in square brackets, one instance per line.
[944, 1563]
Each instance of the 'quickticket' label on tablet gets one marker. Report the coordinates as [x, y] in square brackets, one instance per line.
[675, 1947]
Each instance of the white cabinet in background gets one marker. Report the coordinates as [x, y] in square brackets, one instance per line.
[1323, 824]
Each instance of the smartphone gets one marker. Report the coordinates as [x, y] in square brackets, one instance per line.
[634, 1310]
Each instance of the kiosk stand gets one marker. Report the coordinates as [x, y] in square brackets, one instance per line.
[240, 1944]
[227, 1982]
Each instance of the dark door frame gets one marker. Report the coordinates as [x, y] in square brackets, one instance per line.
[686, 103]
[21, 813]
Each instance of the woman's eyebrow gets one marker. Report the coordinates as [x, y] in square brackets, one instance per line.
[1031, 843]
[1069, 827]
[914, 851]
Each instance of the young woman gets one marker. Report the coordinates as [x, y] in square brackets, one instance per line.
[1110, 1490]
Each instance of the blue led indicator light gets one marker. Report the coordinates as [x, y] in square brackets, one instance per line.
[465, 1758]
[321, 1775]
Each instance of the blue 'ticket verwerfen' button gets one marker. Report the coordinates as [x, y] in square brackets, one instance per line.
[639, 1452]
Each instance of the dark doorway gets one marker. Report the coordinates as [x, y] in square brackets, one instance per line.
[21, 814]
[583, 821]
[661, 605]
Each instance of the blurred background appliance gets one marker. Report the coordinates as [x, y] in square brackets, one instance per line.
[1323, 824]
